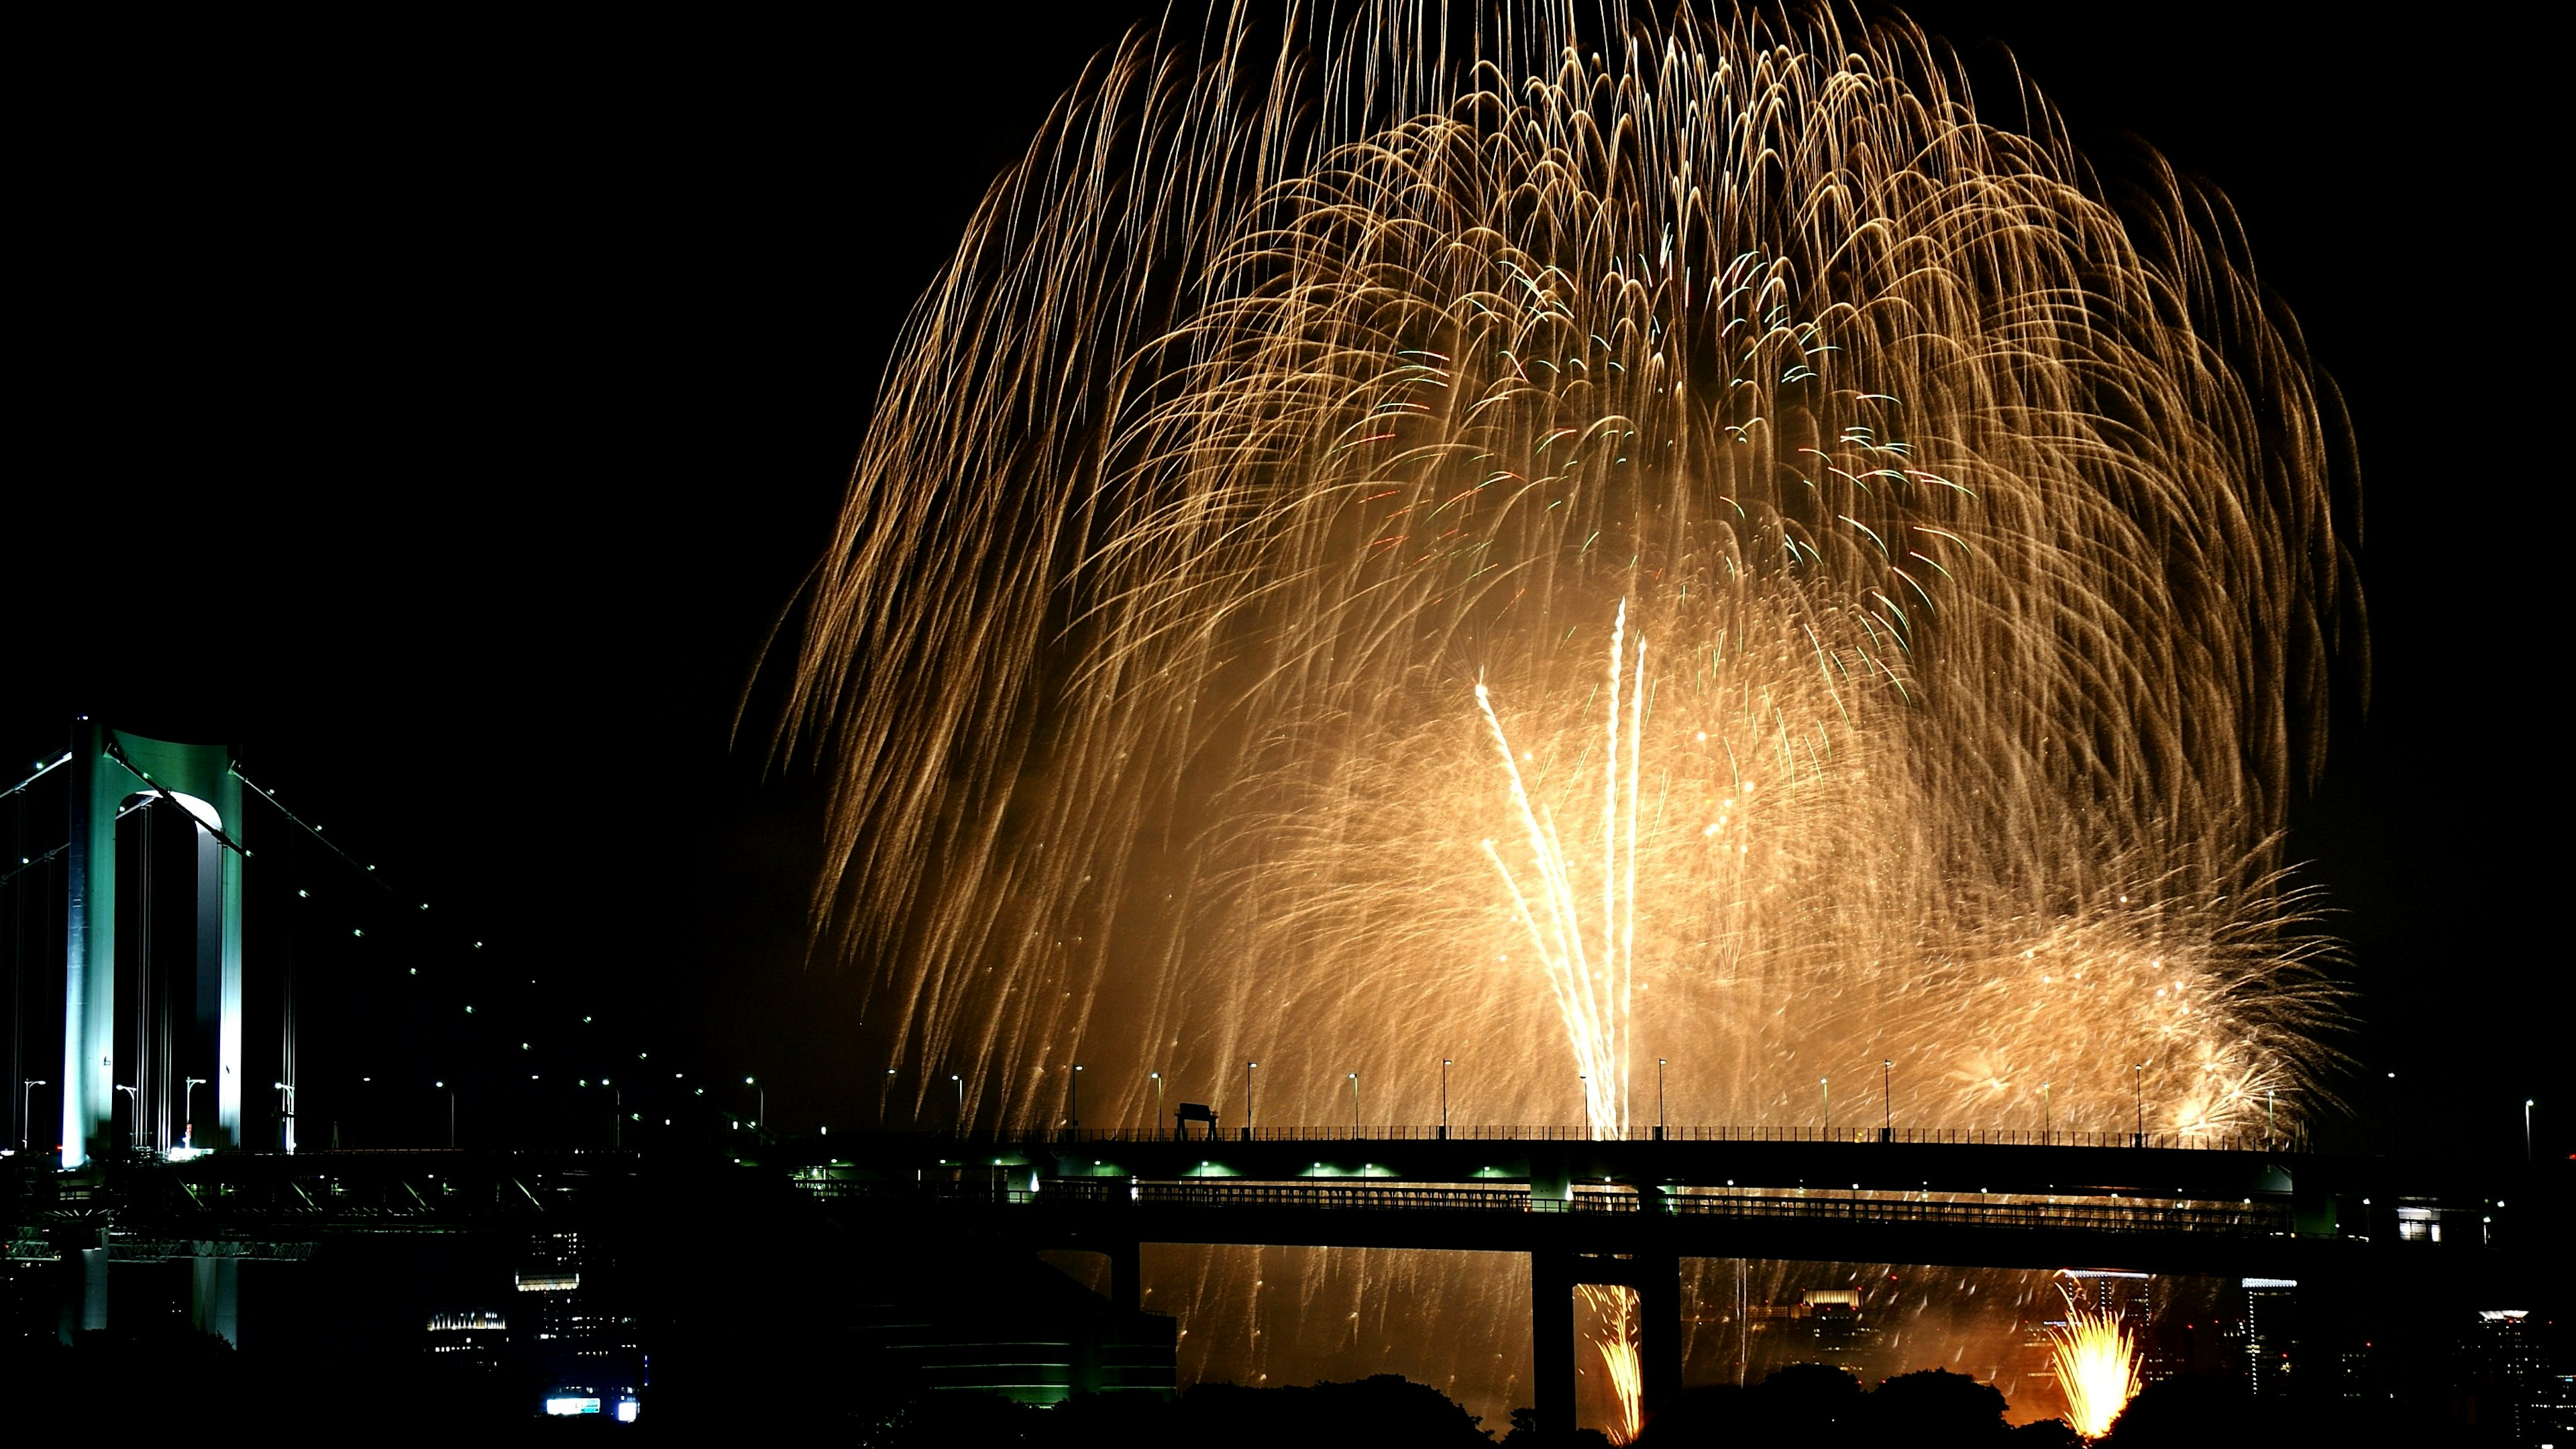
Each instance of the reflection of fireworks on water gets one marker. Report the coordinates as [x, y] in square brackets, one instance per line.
[1300, 382]
[2095, 1358]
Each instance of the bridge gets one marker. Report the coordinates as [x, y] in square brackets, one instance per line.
[1631, 1210]
[1582, 1211]
[1601, 1212]
[1627, 1212]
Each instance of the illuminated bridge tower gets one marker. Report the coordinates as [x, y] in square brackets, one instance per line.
[113, 775]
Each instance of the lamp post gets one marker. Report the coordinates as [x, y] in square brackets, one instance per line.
[1247, 1099]
[959, 1083]
[188, 1105]
[1825, 1106]
[1355, 1106]
[286, 1114]
[451, 1111]
[1886, 1100]
[2044, 1127]
[2267, 1122]
[1583, 1088]
[2138, 1079]
[26, 1109]
[1076, 1113]
[882, 1094]
[133, 1114]
[1444, 1099]
[1158, 1100]
[1659, 1099]
[763, 1121]
[2526, 1131]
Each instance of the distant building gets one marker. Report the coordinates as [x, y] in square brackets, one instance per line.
[2271, 1334]
[1825, 1325]
[473, 1340]
[572, 1323]
[2507, 1381]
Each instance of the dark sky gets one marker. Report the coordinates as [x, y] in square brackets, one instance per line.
[443, 414]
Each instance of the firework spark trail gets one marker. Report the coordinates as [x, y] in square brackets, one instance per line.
[2095, 1359]
[1618, 1345]
[1596, 1011]
[1304, 373]
[1596, 1005]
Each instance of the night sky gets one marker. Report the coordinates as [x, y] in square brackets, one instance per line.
[444, 416]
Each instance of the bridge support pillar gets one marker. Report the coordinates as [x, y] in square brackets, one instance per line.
[1126, 1277]
[1552, 1281]
[1656, 1278]
[214, 1292]
[84, 1284]
[1659, 1330]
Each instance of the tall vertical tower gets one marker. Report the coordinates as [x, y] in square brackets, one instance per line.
[111, 771]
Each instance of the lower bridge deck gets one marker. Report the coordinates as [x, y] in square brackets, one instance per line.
[2246, 1219]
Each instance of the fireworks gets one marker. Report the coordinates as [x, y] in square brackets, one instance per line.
[2095, 1359]
[1594, 986]
[1616, 1343]
[1312, 411]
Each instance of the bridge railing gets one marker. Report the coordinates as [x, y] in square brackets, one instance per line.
[2248, 1219]
[2255, 1141]
[2251, 1219]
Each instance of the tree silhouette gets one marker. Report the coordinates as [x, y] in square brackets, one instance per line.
[1934, 1407]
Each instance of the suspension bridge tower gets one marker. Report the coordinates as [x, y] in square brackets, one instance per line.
[115, 775]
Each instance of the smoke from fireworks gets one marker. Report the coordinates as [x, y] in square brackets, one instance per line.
[1310, 391]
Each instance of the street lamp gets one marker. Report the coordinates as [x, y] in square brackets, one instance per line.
[1077, 1101]
[882, 1093]
[764, 1101]
[188, 1100]
[2138, 1079]
[286, 1114]
[451, 1111]
[2526, 1131]
[133, 1114]
[1886, 1100]
[26, 1108]
[2267, 1120]
[1825, 1106]
[1584, 1085]
[1247, 1099]
[1355, 1106]
[1444, 1099]
[959, 1083]
[1659, 1099]
[1158, 1100]
[2044, 1126]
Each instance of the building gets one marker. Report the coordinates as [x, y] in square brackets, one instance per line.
[2506, 1380]
[2271, 1335]
[575, 1327]
[467, 1341]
